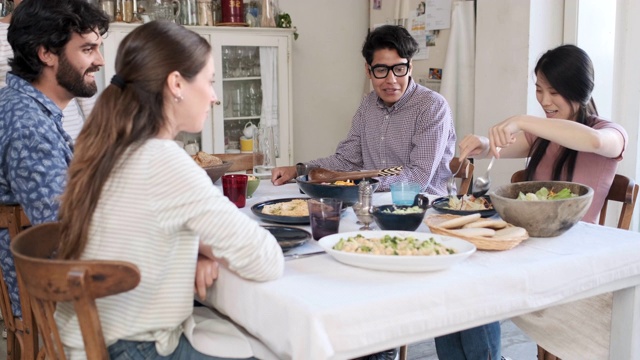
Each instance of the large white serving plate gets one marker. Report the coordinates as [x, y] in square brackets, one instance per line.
[399, 263]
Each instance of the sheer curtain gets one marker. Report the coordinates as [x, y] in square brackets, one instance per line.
[269, 78]
[458, 76]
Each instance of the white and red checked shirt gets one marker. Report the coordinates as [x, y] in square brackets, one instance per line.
[416, 132]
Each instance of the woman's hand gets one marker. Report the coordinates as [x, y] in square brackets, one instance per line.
[206, 274]
[473, 145]
[503, 134]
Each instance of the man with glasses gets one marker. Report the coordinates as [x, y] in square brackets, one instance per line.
[398, 123]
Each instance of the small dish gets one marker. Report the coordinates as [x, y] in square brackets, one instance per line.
[288, 237]
[295, 220]
[252, 186]
[442, 205]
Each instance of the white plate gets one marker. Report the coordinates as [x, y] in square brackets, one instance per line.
[399, 263]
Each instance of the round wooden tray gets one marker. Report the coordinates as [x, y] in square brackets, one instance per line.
[481, 242]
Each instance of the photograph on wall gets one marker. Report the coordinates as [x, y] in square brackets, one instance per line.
[435, 74]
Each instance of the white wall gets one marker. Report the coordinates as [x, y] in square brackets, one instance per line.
[626, 86]
[328, 71]
[385, 15]
[510, 36]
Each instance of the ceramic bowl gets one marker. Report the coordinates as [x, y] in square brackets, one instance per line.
[252, 185]
[347, 193]
[391, 217]
[391, 221]
[215, 172]
[542, 218]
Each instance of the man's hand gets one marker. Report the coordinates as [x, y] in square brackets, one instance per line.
[473, 146]
[282, 175]
[206, 274]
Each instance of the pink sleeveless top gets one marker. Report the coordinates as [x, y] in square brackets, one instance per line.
[591, 169]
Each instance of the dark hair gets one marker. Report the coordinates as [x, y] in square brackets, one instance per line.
[50, 24]
[128, 112]
[389, 37]
[569, 70]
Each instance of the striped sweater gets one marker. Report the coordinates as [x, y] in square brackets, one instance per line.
[155, 207]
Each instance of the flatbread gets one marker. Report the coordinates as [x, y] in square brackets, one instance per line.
[486, 223]
[474, 232]
[510, 232]
[459, 221]
[205, 160]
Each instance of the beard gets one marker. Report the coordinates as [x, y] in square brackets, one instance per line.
[72, 80]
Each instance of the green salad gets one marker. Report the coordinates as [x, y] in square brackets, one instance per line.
[545, 194]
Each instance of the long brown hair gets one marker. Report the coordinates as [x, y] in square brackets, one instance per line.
[128, 112]
[569, 70]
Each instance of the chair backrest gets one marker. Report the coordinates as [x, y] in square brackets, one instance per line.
[21, 332]
[464, 173]
[623, 190]
[48, 280]
[518, 176]
[241, 162]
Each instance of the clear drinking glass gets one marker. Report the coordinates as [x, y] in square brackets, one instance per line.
[264, 151]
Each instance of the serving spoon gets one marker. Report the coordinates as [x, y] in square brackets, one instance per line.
[482, 183]
[320, 175]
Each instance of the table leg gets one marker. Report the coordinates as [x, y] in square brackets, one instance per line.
[625, 324]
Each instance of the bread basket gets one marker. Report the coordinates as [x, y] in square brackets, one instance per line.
[481, 242]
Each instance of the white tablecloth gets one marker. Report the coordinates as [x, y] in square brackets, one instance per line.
[323, 309]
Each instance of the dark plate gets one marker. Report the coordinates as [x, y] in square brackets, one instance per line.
[288, 237]
[442, 205]
[257, 211]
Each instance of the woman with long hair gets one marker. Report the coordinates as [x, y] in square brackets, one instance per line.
[571, 143]
[134, 195]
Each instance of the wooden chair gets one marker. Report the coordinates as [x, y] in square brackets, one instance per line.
[464, 173]
[48, 280]
[241, 162]
[22, 336]
[623, 190]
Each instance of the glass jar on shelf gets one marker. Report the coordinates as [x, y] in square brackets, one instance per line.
[204, 13]
[127, 11]
[188, 12]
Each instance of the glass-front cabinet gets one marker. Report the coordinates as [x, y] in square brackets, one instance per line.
[252, 82]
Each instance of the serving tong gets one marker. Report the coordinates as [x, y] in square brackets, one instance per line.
[320, 175]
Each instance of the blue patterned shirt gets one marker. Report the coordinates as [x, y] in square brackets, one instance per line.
[35, 153]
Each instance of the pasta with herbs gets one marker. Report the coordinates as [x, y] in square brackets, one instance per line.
[296, 207]
[392, 245]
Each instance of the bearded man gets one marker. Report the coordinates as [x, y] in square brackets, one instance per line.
[56, 55]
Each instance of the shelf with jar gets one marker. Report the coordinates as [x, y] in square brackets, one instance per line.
[253, 73]
[251, 13]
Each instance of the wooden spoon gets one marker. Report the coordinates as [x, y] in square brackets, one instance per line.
[320, 175]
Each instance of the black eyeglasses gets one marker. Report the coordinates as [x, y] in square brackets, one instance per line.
[381, 71]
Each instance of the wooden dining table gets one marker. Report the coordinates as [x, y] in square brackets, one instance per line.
[324, 309]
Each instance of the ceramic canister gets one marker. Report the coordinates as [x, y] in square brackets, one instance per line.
[246, 145]
[232, 11]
